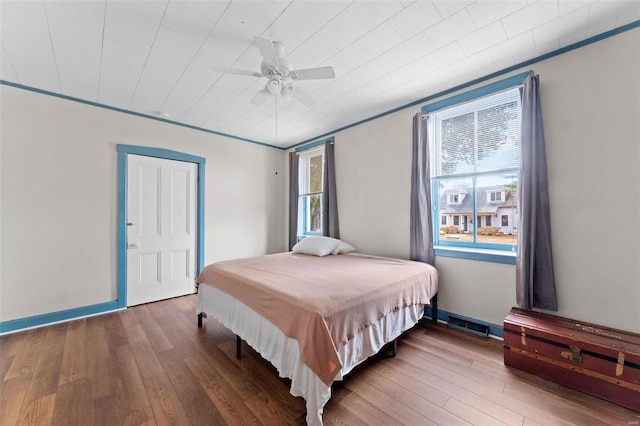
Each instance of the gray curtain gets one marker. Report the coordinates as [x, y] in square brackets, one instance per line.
[421, 238]
[293, 199]
[535, 286]
[330, 226]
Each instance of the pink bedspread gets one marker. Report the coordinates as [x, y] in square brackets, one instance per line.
[322, 302]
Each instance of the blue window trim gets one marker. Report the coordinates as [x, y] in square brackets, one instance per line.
[478, 254]
[315, 144]
[123, 152]
[507, 83]
[484, 252]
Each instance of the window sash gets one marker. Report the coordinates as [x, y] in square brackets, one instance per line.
[482, 219]
[310, 188]
[486, 146]
[479, 155]
[311, 181]
[310, 217]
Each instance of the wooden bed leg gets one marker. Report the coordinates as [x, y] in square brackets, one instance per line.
[394, 348]
[200, 320]
[238, 347]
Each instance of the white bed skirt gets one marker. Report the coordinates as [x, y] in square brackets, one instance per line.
[282, 352]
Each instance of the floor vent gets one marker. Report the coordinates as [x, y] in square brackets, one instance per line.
[468, 326]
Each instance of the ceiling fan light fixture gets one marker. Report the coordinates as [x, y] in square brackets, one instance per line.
[287, 92]
[273, 86]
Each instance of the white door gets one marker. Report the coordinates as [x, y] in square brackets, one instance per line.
[161, 229]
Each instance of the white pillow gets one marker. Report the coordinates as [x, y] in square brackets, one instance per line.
[343, 248]
[316, 245]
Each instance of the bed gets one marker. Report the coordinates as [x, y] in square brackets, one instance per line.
[316, 317]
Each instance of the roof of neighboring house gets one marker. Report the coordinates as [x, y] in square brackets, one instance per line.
[483, 206]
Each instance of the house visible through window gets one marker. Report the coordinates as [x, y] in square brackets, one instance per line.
[474, 167]
[310, 175]
[454, 198]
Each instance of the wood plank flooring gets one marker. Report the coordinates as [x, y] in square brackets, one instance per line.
[152, 365]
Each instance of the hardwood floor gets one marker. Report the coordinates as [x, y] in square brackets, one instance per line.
[152, 365]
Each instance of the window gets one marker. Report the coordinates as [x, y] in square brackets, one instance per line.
[475, 151]
[310, 181]
[495, 196]
[443, 220]
[505, 220]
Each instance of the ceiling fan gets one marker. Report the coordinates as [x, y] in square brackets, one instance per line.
[280, 76]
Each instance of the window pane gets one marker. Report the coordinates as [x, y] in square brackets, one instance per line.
[496, 204]
[315, 173]
[498, 135]
[456, 203]
[478, 136]
[310, 209]
[456, 136]
[310, 172]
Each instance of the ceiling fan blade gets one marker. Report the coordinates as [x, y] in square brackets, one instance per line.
[261, 96]
[303, 97]
[237, 71]
[258, 99]
[267, 50]
[313, 73]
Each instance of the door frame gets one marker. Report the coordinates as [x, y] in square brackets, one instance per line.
[123, 180]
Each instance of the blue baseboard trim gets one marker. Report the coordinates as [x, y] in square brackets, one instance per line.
[45, 319]
[443, 316]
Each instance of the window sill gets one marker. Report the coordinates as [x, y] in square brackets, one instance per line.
[482, 255]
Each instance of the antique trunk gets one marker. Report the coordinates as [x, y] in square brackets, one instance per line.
[600, 361]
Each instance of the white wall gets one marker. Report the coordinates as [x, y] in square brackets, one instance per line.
[58, 184]
[373, 172]
[591, 110]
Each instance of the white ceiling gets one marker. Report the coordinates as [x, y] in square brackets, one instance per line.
[147, 56]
